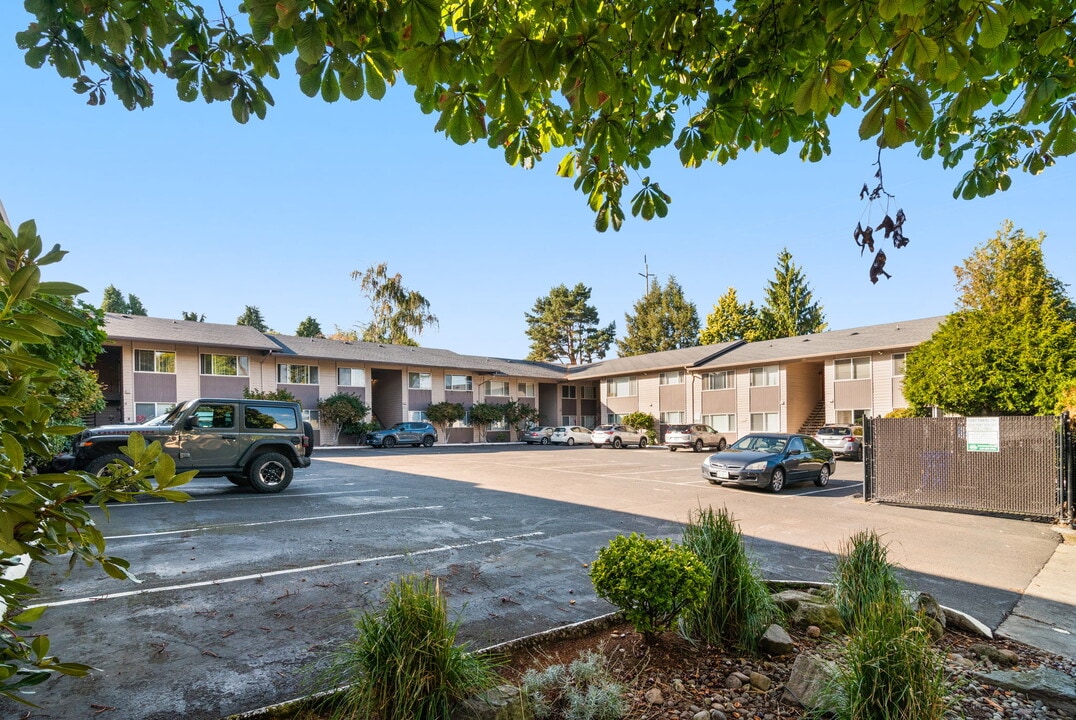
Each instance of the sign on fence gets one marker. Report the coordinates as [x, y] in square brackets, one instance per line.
[983, 434]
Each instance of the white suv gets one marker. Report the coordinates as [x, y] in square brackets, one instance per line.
[617, 436]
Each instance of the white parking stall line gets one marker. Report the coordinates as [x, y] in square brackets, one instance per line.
[312, 518]
[289, 571]
[826, 489]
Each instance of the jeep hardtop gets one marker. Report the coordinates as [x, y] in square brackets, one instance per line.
[251, 442]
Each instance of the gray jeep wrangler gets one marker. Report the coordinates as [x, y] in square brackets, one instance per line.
[251, 442]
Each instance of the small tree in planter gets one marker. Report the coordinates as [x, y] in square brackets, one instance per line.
[485, 414]
[641, 421]
[519, 416]
[341, 411]
[444, 415]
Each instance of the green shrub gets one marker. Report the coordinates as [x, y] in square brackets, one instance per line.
[404, 663]
[652, 581]
[889, 670]
[585, 690]
[864, 577]
[738, 606]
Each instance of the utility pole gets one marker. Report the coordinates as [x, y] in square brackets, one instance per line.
[646, 275]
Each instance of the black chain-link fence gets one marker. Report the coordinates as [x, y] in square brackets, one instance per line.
[1020, 466]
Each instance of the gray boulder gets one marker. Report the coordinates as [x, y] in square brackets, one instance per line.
[776, 641]
[807, 682]
[504, 702]
[824, 616]
[787, 600]
[1053, 687]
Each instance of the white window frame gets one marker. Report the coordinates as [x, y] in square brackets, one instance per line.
[766, 422]
[500, 385]
[314, 418]
[458, 383]
[727, 380]
[284, 374]
[859, 368]
[671, 377]
[765, 376]
[159, 408]
[419, 381]
[526, 389]
[242, 365]
[722, 422]
[614, 418]
[417, 416]
[627, 386]
[158, 356]
[900, 361]
[852, 416]
[674, 417]
[567, 420]
[352, 372]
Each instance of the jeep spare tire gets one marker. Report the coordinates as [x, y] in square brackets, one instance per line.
[308, 430]
[270, 472]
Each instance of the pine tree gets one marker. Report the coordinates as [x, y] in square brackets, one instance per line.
[789, 308]
[663, 320]
[252, 316]
[310, 328]
[730, 320]
[113, 301]
[563, 327]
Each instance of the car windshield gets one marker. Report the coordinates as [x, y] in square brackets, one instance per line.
[679, 428]
[831, 430]
[760, 443]
[604, 428]
[560, 430]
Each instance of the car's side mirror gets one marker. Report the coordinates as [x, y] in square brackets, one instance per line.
[191, 422]
[794, 451]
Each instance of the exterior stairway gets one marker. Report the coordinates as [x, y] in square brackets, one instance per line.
[815, 420]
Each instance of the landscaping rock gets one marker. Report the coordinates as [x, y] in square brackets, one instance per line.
[957, 619]
[760, 681]
[654, 696]
[926, 604]
[504, 702]
[733, 683]
[1052, 687]
[822, 615]
[776, 641]
[787, 600]
[808, 678]
[1001, 656]
[813, 631]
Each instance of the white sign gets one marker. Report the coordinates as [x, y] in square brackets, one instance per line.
[983, 434]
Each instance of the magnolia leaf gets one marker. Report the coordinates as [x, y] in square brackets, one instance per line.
[63, 289]
[13, 450]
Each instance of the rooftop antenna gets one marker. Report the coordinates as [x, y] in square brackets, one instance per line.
[646, 275]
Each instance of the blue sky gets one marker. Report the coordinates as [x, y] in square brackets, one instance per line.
[188, 210]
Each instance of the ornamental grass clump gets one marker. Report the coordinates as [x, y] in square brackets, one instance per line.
[651, 581]
[404, 663]
[738, 606]
[584, 690]
[864, 577]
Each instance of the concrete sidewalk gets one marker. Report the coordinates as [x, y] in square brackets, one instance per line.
[1045, 617]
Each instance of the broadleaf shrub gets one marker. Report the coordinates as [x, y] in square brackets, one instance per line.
[651, 580]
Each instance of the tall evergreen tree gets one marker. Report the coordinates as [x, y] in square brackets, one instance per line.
[1010, 346]
[252, 316]
[193, 316]
[663, 320]
[135, 306]
[730, 320]
[113, 301]
[310, 328]
[396, 311]
[789, 308]
[563, 327]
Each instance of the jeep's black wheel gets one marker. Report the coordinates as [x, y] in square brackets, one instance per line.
[427, 441]
[389, 442]
[240, 480]
[308, 430]
[270, 473]
[99, 466]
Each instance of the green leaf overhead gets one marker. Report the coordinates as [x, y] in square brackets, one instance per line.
[614, 82]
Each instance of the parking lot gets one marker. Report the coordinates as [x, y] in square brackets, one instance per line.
[242, 594]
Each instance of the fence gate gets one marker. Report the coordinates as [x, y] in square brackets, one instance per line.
[1026, 471]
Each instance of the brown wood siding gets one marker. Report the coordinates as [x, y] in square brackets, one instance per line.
[155, 387]
[358, 392]
[589, 407]
[803, 391]
[460, 435]
[463, 397]
[719, 402]
[852, 395]
[621, 405]
[672, 398]
[899, 400]
[307, 395]
[222, 386]
[568, 407]
[765, 399]
[418, 399]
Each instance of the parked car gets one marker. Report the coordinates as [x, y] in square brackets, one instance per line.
[617, 436]
[842, 440]
[771, 460]
[538, 435]
[569, 435]
[695, 437]
[404, 433]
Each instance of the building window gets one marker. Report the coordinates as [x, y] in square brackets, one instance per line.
[525, 390]
[567, 392]
[588, 421]
[154, 361]
[852, 417]
[672, 377]
[417, 416]
[764, 422]
[764, 376]
[721, 423]
[350, 377]
[589, 392]
[613, 418]
[722, 380]
[499, 425]
[297, 374]
[232, 365]
[460, 383]
[621, 387]
[497, 388]
[672, 418]
[852, 368]
[567, 419]
[419, 381]
[148, 410]
[314, 418]
[898, 364]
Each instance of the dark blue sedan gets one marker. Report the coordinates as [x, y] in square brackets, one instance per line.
[771, 460]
